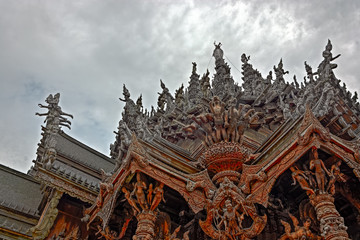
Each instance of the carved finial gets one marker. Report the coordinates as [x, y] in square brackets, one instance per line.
[217, 45]
[139, 104]
[126, 94]
[194, 68]
[328, 45]
[245, 58]
[162, 84]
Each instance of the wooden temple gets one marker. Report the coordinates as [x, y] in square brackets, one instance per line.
[265, 160]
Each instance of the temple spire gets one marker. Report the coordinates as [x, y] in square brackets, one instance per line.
[223, 83]
[194, 89]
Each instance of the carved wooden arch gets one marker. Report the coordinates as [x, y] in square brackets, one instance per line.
[310, 134]
[194, 188]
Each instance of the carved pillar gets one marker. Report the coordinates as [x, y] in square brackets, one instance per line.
[332, 225]
[146, 225]
[42, 229]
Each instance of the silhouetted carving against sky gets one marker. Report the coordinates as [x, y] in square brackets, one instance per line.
[86, 50]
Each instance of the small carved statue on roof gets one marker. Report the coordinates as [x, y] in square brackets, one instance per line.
[205, 84]
[280, 72]
[204, 121]
[303, 232]
[130, 109]
[194, 68]
[217, 108]
[139, 104]
[246, 117]
[126, 94]
[269, 78]
[309, 72]
[164, 98]
[125, 141]
[325, 67]
[232, 118]
[179, 97]
[218, 52]
[285, 107]
[55, 116]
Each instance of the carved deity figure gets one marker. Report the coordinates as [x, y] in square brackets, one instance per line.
[279, 73]
[194, 67]
[158, 196]
[325, 67]
[320, 170]
[205, 84]
[232, 118]
[139, 105]
[165, 98]
[124, 143]
[335, 175]
[139, 191]
[204, 120]
[300, 177]
[231, 219]
[131, 201]
[226, 211]
[285, 108]
[300, 233]
[55, 116]
[179, 97]
[130, 109]
[217, 108]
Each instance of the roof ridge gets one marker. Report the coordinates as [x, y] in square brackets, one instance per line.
[18, 173]
[92, 150]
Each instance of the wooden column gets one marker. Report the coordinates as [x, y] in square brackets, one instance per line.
[146, 225]
[332, 225]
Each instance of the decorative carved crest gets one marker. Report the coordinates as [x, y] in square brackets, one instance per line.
[309, 125]
[226, 211]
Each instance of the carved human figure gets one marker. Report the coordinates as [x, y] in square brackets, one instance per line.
[300, 177]
[300, 233]
[139, 191]
[179, 97]
[246, 115]
[230, 218]
[320, 170]
[285, 108]
[205, 84]
[125, 140]
[150, 193]
[335, 175]
[217, 108]
[131, 201]
[203, 120]
[42, 229]
[232, 118]
[158, 196]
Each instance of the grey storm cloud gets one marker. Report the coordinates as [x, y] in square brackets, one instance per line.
[87, 50]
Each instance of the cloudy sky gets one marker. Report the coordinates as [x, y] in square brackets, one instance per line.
[87, 50]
